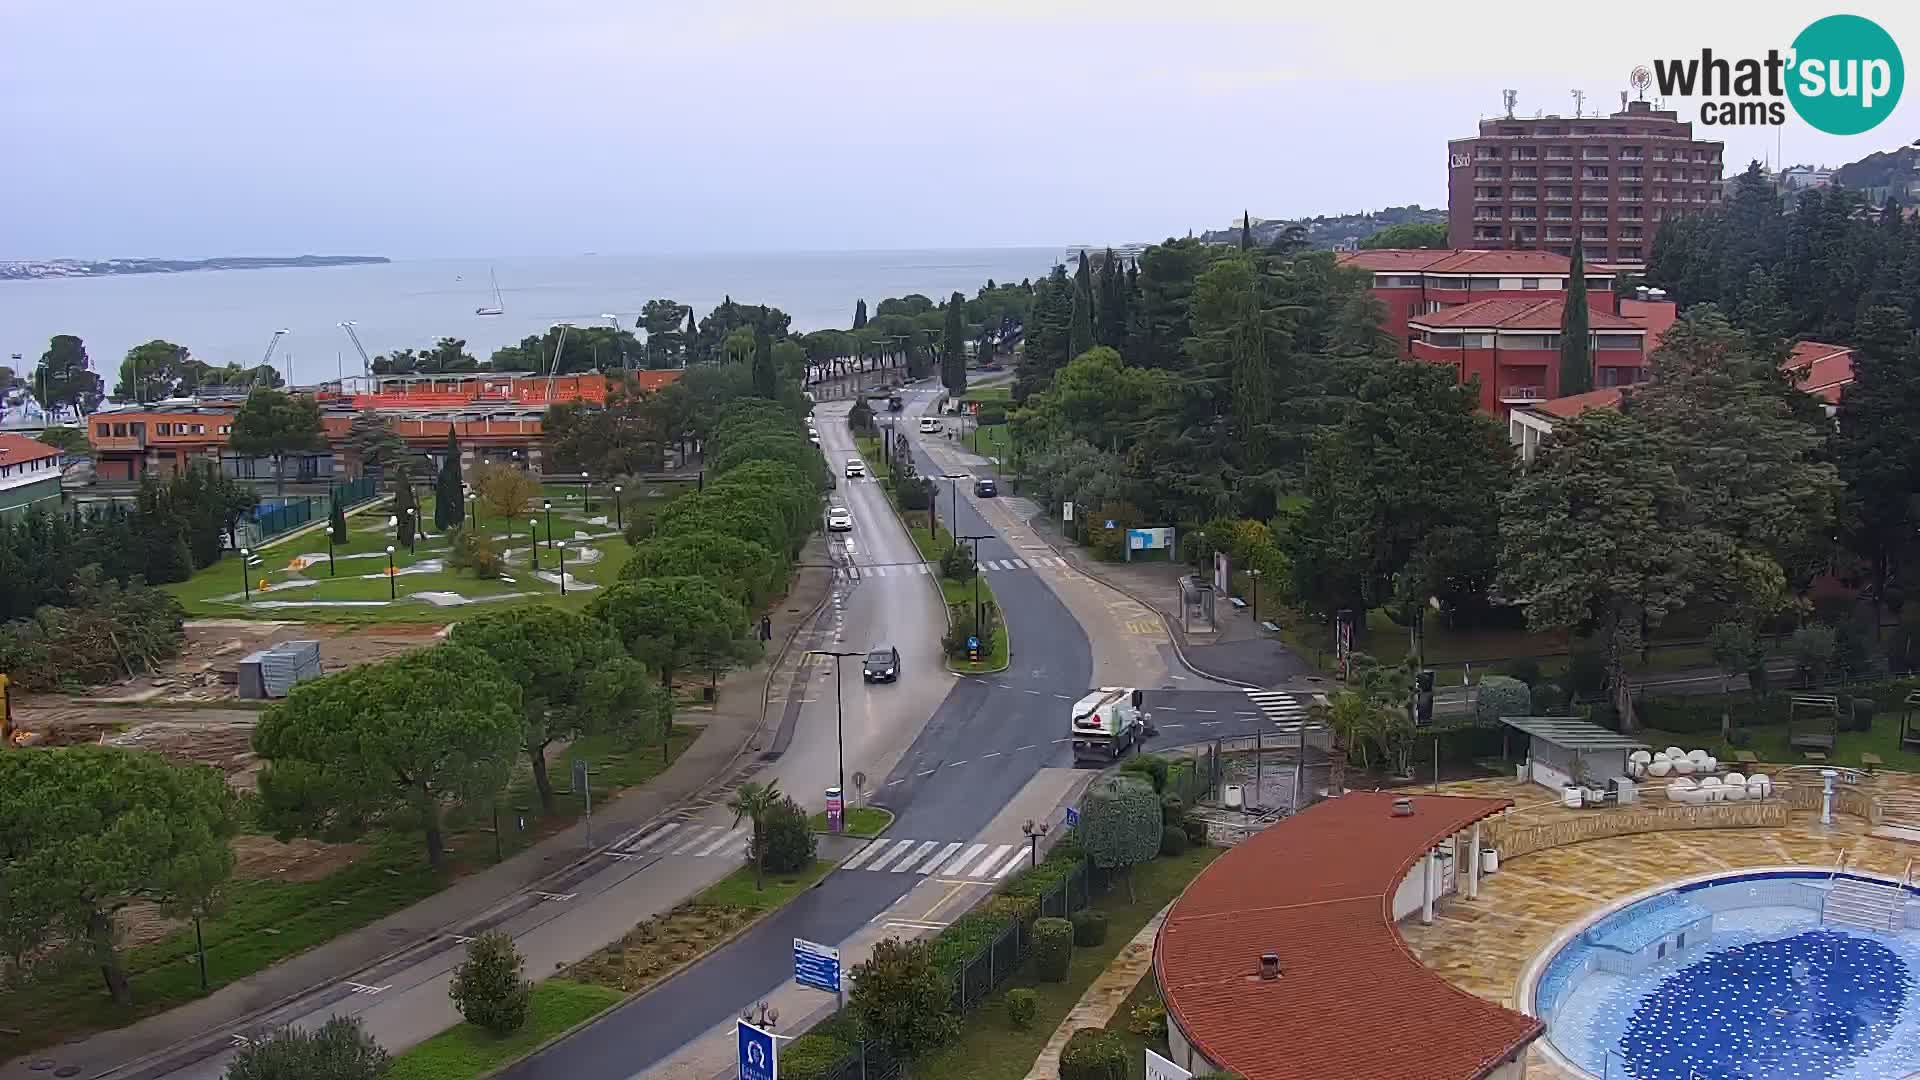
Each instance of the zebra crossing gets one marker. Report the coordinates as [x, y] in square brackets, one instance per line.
[683, 838]
[948, 859]
[1284, 709]
[1031, 562]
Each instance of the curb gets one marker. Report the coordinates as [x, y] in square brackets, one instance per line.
[1173, 636]
[253, 1016]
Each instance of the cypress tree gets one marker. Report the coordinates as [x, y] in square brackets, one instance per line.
[766, 384]
[337, 523]
[1246, 231]
[1576, 360]
[449, 508]
[403, 502]
[953, 357]
[1080, 329]
[693, 333]
[860, 315]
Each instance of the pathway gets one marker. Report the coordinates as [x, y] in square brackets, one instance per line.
[1103, 999]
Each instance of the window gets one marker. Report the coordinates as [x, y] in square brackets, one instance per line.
[119, 431]
[199, 429]
[102, 430]
[1617, 341]
[226, 429]
[163, 429]
[1529, 282]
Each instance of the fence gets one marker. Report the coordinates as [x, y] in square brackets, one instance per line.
[274, 518]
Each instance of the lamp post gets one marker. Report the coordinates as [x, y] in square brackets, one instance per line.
[533, 542]
[618, 522]
[330, 572]
[393, 588]
[472, 504]
[1034, 833]
[1253, 574]
[953, 488]
[976, 582]
[587, 483]
[547, 505]
[561, 547]
[839, 716]
[246, 587]
[413, 532]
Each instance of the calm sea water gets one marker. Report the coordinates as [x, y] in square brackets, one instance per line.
[229, 314]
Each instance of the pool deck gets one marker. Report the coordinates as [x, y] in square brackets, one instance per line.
[1484, 945]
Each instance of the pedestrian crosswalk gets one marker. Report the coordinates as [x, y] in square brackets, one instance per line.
[949, 859]
[1284, 709]
[682, 838]
[1032, 562]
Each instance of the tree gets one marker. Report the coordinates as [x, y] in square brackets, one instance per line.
[860, 315]
[1120, 823]
[902, 999]
[87, 830]
[1246, 231]
[751, 801]
[1080, 329]
[746, 570]
[406, 515]
[273, 423]
[487, 986]
[953, 347]
[392, 742]
[372, 442]
[789, 839]
[65, 378]
[157, 369]
[339, 1049]
[1879, 425]
[67, 440]
[1576, 357]
[1813, 648]
[449, 494]
[575, 679]
[1501, 696]
[1408, 234]
[766, 379]
[507, 491]
[1736, 651]
[337, 522]
[670, 623]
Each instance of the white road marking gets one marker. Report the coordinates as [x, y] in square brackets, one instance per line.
[996, 753]
[1029, 746]
[865, 853]
[701, 835]
[965, 857]
[654, 837]
[913, 858]
[933, 863]
[725, 840]
[929, 772]
[1019, 856]
[954, 764]
[900, 847]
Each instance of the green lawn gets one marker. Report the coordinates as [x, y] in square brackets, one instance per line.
[990, 1049]
[1147, 992]
[1770, 744]
[465, 1051]
[860, 821]
[991, 440]
[1001, 392]
[738, 890]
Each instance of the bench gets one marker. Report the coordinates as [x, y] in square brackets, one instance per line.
[1270, 626]
[1236, 602]
[1871, 762]
[1814, 756]
[1746, 757]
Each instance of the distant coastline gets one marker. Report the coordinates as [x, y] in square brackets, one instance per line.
[28, 270]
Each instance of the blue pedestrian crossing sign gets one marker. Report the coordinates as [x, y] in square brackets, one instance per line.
[1073, 817]
[816, 965]
[757, 1054]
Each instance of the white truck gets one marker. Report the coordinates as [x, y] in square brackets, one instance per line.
[1107, 723]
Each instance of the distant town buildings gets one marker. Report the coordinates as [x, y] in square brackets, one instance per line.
[1605, 183]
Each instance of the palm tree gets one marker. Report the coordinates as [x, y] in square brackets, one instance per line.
[751, 801]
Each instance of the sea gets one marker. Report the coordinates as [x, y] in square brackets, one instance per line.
[230, 315]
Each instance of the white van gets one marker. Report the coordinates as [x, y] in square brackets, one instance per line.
[929, 425]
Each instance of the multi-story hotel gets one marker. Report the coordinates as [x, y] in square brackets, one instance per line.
[1603, 182]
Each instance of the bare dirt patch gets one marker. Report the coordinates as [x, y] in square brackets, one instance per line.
[299, 860]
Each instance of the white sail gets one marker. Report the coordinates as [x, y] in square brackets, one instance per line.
[499, 307]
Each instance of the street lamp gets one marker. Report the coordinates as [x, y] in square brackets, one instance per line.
[330, 572]
[1034, 833]
[588, 485]
[533, 542]
[472, 504]
[393, 588]
[976, 581]
[839, 716]
[561, 547]
[246, 587]
[1253, 574]
[547, 505]
[953, 486]
[413, 530]
[618, 522]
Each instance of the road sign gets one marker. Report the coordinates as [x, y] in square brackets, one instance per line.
[758, 1060]
[1109, 523]
[1159, 1068]
[579, 776]
[815, 965]
[1073, 817]
[1066, 511]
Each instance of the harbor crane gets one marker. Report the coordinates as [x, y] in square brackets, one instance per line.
[366, 362]
[266, 360]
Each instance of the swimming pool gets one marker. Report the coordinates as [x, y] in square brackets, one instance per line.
[1737, 977]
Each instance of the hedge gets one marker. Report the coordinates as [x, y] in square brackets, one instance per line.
[1173, 840]
[1089, 927]
[812, 1055]
[1052, 948]
[1023, 1004]
[1094, 1054]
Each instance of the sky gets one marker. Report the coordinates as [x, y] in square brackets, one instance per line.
[195, 128]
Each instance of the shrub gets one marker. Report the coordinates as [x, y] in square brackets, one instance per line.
[812, 1056]
[1023, 1005]
[901, 998]
[1052, 948]
[1151, 767]
[1089, 927]
[1173, 840]
[1017, 908]
[991, 413]
[339, 1049]
[1524, 668]
[1548, 696]
[956, 640]
[1094, 1054]
[1586, 670]
[1499, 696]
[487, 987]
[1196, 830]
[790, 840]
[1148, 1020]
[1219, 1076]
[1862, 714]
[956, 564]
[472, 549]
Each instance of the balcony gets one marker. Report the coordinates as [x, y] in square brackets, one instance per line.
[1522, 395]
[1520, 197]
[1481, 196]
[118, 442]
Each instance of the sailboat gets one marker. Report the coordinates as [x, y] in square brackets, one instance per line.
[498, 307]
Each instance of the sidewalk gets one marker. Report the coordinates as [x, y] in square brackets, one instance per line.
[730, 727]
[1236, 651]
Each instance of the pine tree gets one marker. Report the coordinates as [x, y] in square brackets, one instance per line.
[860, 315]
[1246, 231]
[449, 505]
[953, 356]
[1080, 329]
[1576, 359]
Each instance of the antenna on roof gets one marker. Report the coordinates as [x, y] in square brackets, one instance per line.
[1623, 101]
[1579, 102]
[1510, 97]
[1640, 80]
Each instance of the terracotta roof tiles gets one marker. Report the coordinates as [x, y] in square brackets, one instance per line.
[15, 449]
[1515, 313]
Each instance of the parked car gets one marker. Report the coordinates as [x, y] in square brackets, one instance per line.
[985, 488]
[882, 664]
[839, 519]
[856, 467]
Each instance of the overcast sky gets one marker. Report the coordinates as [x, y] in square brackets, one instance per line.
[501, 127]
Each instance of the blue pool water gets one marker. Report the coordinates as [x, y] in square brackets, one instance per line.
[1767, 994]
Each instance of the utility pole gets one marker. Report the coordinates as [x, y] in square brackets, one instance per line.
[953, 488]
[839, 717]
[976, 582]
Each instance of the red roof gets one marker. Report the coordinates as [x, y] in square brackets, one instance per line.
[1564, 408]
[15, 449]
[1451, 261]
[1351, 1001]
[1502, 313]
[1821, 369]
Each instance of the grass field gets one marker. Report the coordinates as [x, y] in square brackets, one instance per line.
[931, 544]
[990, 441]
[860, 821]
[989, 1048]
[464, 1051]
[1001, 392]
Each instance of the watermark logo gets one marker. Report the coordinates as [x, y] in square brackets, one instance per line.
[1843, 75]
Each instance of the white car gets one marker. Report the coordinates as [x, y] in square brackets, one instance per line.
[839, 520]
[856, 467]
[929, 425]
[813, 437]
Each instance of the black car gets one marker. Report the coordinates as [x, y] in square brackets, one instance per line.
[883, 664]
[985, 488]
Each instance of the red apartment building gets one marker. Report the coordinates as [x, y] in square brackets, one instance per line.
[1605, 182]
[495, 416]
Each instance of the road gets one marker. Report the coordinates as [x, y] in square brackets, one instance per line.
[988, 737]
